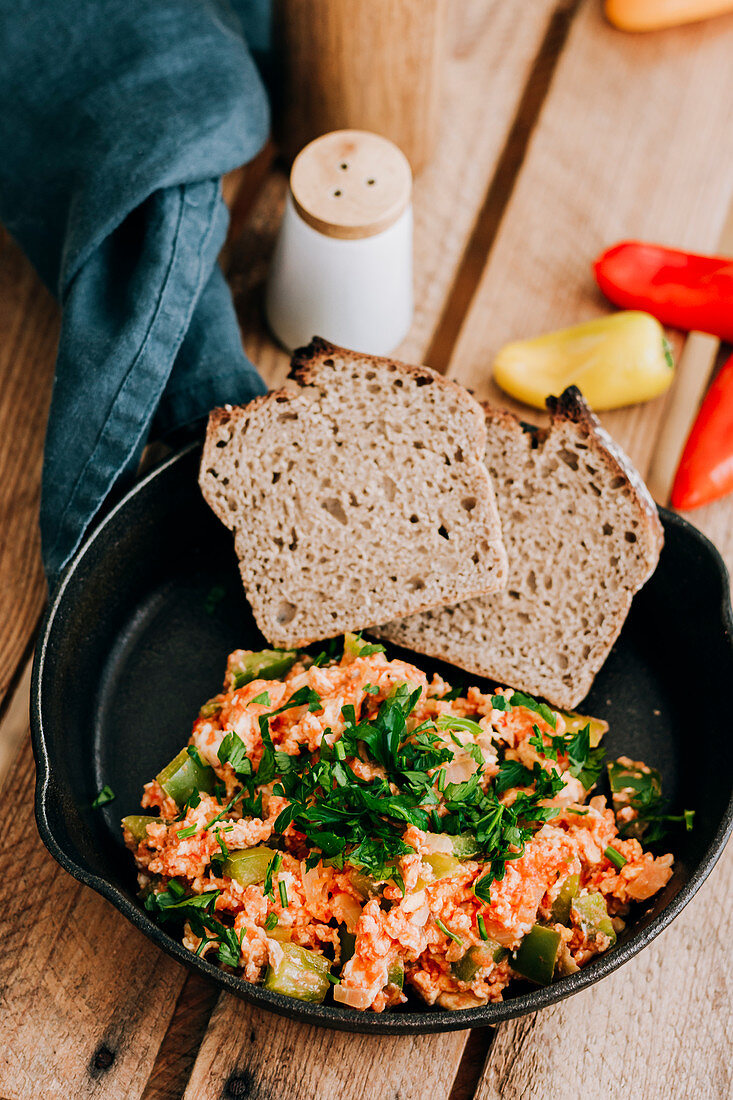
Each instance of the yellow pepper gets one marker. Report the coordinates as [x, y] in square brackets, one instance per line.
[653, 15]
[615, 360]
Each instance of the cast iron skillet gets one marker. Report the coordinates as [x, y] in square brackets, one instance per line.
[136, 639]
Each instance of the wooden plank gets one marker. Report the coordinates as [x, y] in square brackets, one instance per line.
[29, 326]
[630, 143]
[178, 1050]
[248, 1052]
[86, 998]
[641, 159]
[493, 51]
[659, 1028]
[14, 725]
[77, 973]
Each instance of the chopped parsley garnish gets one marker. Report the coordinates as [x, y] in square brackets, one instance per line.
[347, 819]
[615, 857]
[584, 762]
[283, 891]
[452, 722]
[500, 702]
[197, 910]
[272, 869]
[368, 649]
[195, 755]
[371, 689]
[302, 697]
[651, 819]
[519, 699]
[454, 693]
[220, 858]
[170, 901]
[230, 947]
[232, 750]
[270, 921]
[263, 699]
[480, 889]
[447, 932]
[194, 800]
[188, 831]
[482, 927]
[105, 795]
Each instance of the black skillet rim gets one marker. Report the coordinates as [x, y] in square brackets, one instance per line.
[409, 1023]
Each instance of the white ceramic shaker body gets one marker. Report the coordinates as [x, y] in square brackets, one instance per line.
[342, 266]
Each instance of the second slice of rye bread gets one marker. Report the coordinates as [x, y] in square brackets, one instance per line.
[582, 535]
[357, 495]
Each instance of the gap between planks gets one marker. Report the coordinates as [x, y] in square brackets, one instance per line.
[465, 1051]
[499, 191]
[648, 147]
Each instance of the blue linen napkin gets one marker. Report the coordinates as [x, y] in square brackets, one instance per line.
[117, 121]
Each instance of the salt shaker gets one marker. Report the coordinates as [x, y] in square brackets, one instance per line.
[342, 266]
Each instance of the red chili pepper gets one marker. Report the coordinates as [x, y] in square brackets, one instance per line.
[705, 471]
[680, 289]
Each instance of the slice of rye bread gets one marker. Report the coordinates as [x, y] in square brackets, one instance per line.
[356, 495]
[582, 535]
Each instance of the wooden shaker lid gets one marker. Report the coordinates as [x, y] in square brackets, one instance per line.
[351, 184]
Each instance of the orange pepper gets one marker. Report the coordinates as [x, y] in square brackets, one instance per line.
[653, 15]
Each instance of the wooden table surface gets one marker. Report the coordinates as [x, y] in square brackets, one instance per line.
[559, 136]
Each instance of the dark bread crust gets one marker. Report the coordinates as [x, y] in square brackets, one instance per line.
[302, 365]
[572, 407]
[318, 349]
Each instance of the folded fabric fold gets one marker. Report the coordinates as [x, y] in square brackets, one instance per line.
[116, 124]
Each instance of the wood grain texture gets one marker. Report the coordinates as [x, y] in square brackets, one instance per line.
[642, 159]
[86, 998]
[14, 724]
[337, 69]
[251, 1053]
[659, 1028]
[492, 50]
[28, 336]
[177, 1053]
[629, 143]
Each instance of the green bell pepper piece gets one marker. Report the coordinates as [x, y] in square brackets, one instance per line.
[633, 781]
[592, 915]
[561, 904]
[442, 864]
[396, 975]
[364, 884]
[301, 973]
[208, 710]
[348, 944]
[248, 866]
[478, 956]
[266, 664]
[183, 776]
[537, 954]
[575, 722]
[138, 825]
[464, 846]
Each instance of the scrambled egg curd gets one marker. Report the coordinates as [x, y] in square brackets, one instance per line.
[344, 824]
